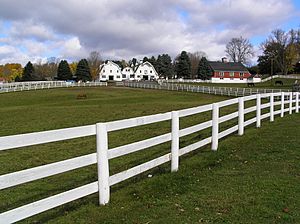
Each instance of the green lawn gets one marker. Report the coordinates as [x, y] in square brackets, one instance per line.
[287, 84]
[251, 179]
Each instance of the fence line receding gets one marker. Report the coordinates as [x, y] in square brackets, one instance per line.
[103, 154]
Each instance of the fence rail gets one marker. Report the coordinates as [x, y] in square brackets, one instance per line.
[23, 86]
[224, 91]
[103, 154]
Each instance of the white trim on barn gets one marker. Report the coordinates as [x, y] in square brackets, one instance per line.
[110, 71]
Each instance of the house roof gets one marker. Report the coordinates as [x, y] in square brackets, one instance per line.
[227, 66]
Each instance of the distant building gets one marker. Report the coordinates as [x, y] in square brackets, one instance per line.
[230, 72]
[128, 73]
[110, 71]
[146, 71]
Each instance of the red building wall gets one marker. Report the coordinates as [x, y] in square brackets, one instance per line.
[227, 75]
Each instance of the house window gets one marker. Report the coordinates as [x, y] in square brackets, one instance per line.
[241, 74]
[231, 74]
[103, 71]
[151, 71]
[146, 72]
[221, 74]
[124, 76]
[140, 71]
[117, 71]
[131, 76]
[139, 76]
[110, 71]
[118, 76]
[103, 76]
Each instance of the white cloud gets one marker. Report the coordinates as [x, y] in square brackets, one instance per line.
[129, 28]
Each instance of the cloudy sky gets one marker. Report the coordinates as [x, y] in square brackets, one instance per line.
[122, 29]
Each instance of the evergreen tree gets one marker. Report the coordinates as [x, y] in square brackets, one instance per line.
[204, 70]
[152, 60]
[183, 65]
[28, 72]
[164, 65]
[145, 59]
[83, 72]
[64, 71]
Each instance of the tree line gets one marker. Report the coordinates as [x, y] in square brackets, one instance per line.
[280, 55]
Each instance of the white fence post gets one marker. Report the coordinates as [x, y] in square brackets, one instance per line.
[271, 107]
[297, 102]
[102, 163]
[215, 127]
[175, 141]
[241, 116]
[282, 104]
[291, 103]
[258, 110]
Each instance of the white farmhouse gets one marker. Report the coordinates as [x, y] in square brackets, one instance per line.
[110, 71]
[128, 73]
[146, 71]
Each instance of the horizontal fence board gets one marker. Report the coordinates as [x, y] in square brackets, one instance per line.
[228, 117]
[249, 109]
[194, 146]
[24, 176]
[250, 121]
[228, 131]
[228, 102]
[17, 141]
[194, 110]
[195, 128]
[277, 112]
[124, 175]
[264, 116]
[266, 105]
[251, 97]
[138, 121]
[137, 146]
[277, 103]
[48, 203]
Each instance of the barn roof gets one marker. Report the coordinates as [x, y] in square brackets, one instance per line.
[227, 66]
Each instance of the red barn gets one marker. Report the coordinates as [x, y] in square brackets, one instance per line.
[224, 71]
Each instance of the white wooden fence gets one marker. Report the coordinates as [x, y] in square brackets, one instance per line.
[22, 86]
[210, 81]
[226, 91]
[103, 154]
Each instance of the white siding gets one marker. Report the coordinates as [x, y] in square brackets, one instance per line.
[110, 71]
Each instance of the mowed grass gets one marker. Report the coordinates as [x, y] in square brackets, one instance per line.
[287, 84]
[251, 179]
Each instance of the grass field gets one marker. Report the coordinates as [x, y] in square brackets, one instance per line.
[251, 179]
[287, 84]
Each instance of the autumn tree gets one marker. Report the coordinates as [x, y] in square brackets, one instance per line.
[83, 72]
[10, 71]
[183, 65]
[204, 69]
[239, 49]
[94, 61]
[28, 72]
[63, 71]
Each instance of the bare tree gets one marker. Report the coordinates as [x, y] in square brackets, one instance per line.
[239, 49]
[94, 61]
[195, 58]
[283, 48]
